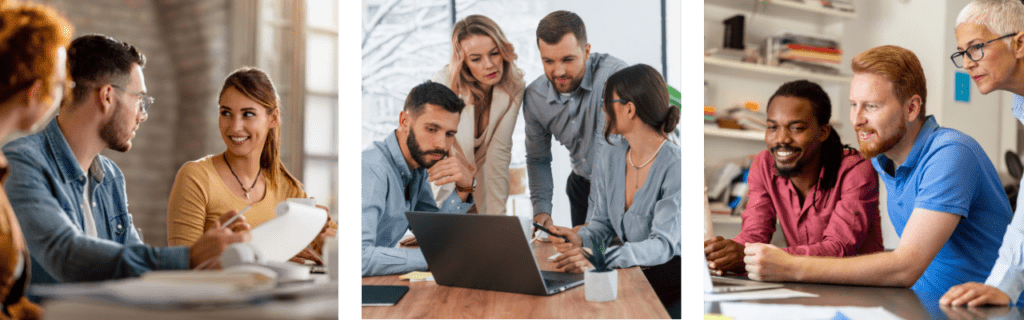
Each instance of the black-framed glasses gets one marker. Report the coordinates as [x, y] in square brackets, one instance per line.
[146, 101]
[620, 101]
[973, 52]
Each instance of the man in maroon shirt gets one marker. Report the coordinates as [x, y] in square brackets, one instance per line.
[824, 194]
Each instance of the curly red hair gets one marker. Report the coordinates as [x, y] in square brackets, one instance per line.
[30, 35]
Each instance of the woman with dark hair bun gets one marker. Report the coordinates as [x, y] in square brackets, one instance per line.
[248, 173]
[635, 188]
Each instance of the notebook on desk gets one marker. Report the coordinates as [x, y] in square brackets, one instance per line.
[484, 252]
[715, 284]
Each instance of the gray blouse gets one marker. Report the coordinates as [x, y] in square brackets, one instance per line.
[650, 229]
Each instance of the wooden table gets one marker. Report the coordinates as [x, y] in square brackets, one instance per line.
[427, 299]
[905, 303]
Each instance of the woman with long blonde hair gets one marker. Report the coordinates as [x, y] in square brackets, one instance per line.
[483, 73]
[248, 173]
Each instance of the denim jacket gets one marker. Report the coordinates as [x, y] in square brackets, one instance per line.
[45, 190]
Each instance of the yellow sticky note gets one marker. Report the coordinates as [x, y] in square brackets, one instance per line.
[416, 275]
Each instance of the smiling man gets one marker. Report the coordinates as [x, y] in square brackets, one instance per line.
[824, 194]
[990, 47]
[565, 103]
[397, 173]
[943, 194]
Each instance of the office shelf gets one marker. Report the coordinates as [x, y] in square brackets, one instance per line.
[718, 65]
[711, 130]
[788, 9]
[813, 7]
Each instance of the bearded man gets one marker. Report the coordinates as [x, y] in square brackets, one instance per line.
[397, 173]
[823, 193]
[944, 196]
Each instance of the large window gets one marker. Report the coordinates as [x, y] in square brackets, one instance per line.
[404, 43]
[297, 44]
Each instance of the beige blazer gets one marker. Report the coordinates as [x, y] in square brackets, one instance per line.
[491, 192]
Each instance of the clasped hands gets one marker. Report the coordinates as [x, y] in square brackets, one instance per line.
[763, 262]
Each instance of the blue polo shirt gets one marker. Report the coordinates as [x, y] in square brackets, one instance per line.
[947, 171]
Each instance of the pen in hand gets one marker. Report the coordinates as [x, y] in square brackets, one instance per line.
[542, 228]
[232, 220]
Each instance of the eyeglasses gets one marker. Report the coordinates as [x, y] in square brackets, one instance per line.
[973, 51]
[146, 101]
[622, 101]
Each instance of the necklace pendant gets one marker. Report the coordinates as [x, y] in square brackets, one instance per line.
[246, 196]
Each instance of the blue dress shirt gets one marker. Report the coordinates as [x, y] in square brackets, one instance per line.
[45, 189]
[649, 230]
[389, 190]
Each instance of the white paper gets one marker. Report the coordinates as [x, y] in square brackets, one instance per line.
[780, 293]
[745, 311]
[284, 236]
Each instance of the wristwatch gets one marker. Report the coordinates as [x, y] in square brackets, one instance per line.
[469, 189]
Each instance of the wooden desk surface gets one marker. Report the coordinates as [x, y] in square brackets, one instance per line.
[426, 299]
[905, 303]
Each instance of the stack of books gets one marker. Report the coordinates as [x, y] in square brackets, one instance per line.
[749, 119]
[815, 53]
[799, 52]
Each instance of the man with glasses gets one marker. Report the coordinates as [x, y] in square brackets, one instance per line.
[995, 65]
[70, 200]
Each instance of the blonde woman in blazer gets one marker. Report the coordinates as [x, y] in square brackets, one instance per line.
[488, 80]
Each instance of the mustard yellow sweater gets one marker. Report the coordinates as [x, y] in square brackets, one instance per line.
[199, 197]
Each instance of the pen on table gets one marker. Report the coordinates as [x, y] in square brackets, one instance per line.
[542, 228]
[232, 220]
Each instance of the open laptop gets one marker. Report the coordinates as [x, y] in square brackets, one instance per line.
[716, 284]
[484, 252]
